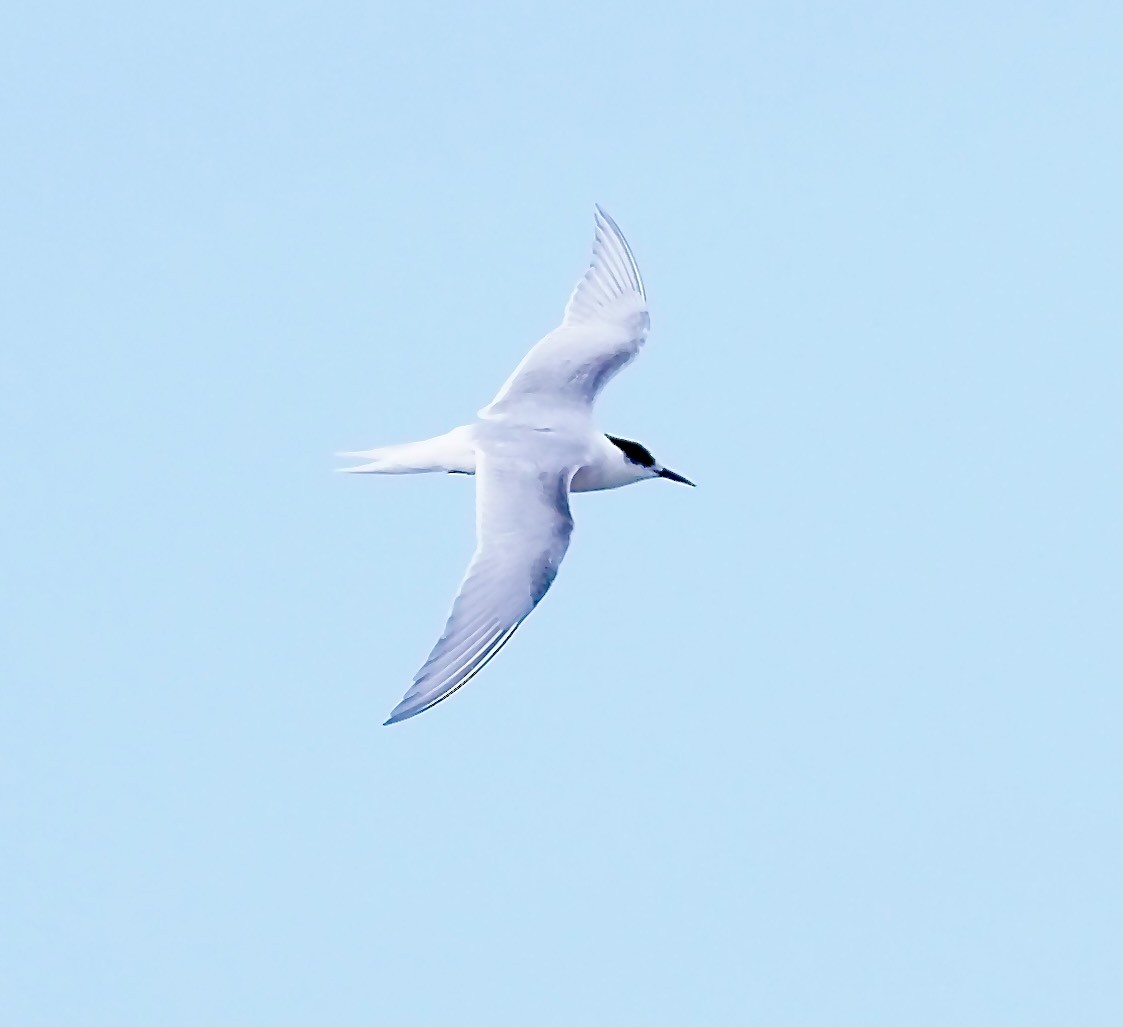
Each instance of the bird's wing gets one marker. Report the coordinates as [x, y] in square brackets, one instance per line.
[604, 325]
[522, 532]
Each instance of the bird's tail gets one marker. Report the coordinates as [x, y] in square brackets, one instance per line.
[450, 452]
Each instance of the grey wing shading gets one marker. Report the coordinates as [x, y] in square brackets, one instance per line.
[612, 274]
[523, 526]
[604, 325]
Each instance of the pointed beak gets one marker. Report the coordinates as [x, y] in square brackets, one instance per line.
[671, 475]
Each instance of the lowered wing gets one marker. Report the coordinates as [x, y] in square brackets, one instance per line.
[523, 526]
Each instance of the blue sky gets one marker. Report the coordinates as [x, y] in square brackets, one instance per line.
[831, 739]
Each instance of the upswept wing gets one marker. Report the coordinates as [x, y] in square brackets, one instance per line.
[523, 526]
[604, 325]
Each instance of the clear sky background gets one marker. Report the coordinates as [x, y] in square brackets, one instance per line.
[831, 739]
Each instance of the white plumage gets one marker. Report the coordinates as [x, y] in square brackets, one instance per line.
[530, 447]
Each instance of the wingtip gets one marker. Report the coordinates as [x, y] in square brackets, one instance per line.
[397, 714]
[600, 214]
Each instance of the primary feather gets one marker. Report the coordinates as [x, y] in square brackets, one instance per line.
[604, 325]
[523, 526]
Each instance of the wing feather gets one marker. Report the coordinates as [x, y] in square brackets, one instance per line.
[523, 526]
[604, 325]
[612, 274]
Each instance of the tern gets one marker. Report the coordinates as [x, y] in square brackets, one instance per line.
[532, 446]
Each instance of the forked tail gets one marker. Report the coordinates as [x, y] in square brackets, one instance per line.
[450, 452]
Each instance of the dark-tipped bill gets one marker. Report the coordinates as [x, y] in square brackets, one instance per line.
[665, 473]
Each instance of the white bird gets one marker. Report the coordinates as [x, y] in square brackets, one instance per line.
[529, 448]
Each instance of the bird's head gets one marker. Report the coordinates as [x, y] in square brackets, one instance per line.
[639, 461]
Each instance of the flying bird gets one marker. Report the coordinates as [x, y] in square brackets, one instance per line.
[532, 446]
